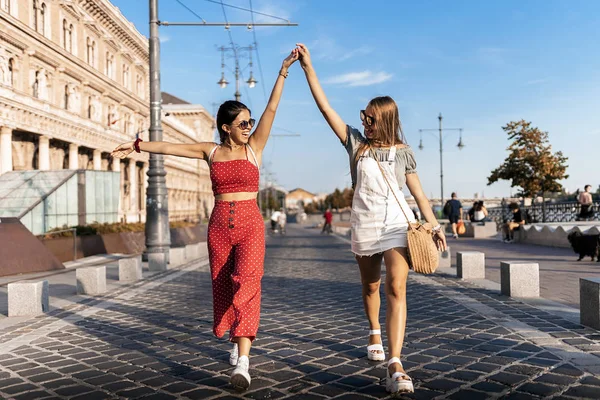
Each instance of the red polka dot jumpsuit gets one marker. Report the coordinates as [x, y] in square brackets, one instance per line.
[236, 248]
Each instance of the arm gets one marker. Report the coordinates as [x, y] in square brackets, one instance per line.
[189, 150]
[258, 140]
[414, 185]
[333, 119]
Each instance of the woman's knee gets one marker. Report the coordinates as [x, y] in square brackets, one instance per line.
[370, 288]
[396, 288]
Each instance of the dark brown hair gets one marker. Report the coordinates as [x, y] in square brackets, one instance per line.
[387, 122]
[227, 113]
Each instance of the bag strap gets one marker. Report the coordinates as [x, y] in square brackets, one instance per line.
[390, 186]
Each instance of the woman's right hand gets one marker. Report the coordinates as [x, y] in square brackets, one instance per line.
[305, 60]
[123, 150]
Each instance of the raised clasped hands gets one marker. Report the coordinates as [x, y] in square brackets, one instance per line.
[289, 60]
[304, 55]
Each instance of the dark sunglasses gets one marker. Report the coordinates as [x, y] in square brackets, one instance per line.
[366, 118]
[246, 124]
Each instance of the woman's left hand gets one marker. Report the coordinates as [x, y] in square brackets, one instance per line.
[292, 58]
[440, 240]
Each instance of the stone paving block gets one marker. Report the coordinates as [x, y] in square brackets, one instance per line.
[589, 302]
[470, 265]
[157, 262]
[519, 279]
[28, 298]
[177, 256]
[130, 269]
[91, 280]
[445, 258]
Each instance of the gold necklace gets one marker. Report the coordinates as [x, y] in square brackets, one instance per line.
[232, 147]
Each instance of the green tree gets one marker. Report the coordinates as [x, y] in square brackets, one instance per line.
[531, 165]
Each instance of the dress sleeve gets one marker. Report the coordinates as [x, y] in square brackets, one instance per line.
[410, 162]
[353, 139]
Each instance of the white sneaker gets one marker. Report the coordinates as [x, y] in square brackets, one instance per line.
[233, 356]
[240, 378]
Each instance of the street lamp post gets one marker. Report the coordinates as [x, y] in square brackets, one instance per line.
[460, 146]
[223, 82]
[158, 238]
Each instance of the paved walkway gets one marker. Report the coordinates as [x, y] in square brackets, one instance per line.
[559, 269]
[153, 339]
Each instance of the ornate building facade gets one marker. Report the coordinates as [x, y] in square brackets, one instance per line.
[73, 85]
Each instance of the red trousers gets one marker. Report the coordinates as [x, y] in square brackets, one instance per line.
[236, 251]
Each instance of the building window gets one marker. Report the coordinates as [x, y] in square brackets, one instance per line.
[91, 52]
[43, 19]
[7, 6]
[66, 97]
[126, 76]
[90, 110]
[111, 115]
[68, 36]
[36, 7]
[139, 86]
[36, 85]
[109, 64]
[11, 72]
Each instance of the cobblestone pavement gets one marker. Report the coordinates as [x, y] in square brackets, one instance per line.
[559, 269]
[153, 339]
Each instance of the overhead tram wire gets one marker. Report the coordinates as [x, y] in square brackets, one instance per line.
[190, 10]
[245, 9]
[262, 77]
[235, 54]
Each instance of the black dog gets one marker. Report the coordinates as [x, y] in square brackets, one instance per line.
[585, 245]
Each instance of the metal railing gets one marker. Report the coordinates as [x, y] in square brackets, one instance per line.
[74, 239]
[555, 212]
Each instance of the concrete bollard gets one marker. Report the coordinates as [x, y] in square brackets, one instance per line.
[470, 265]
[28, 298]
[157, 262]
[130, 269]
[91, 280]
[177, 256]
[445, 258]
[589, 302]
[191, 251]
[519, 279]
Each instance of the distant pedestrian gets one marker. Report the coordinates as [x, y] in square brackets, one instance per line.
[380, 165]
[274, 218]
[236, 242]
[453, 210]
[517, 222]
[480, 213]
[586, 202]
[328, 220]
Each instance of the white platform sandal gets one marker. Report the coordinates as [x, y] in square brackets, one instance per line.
[233, 356]
[374, 349]
[395, 385]
[240, 378]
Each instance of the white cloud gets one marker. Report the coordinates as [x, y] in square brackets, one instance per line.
[363, 78]
[326, 48]
[164, 38]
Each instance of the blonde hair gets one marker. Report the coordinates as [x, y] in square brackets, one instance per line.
[388, 130]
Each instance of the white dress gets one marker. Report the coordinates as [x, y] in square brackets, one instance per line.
[377, 221]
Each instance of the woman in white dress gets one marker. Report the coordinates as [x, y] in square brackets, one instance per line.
[379, 221]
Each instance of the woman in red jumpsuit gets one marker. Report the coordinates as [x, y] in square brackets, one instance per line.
[236, 241]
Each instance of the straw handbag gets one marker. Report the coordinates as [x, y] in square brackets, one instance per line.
[423, 256]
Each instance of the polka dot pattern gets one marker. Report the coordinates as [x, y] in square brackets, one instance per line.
[236, 250]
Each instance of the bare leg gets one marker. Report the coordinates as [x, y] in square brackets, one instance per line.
[370, 275]
[244, 345]
[454, 232]
[395, 290]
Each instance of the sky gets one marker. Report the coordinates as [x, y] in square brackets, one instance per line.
[479, 63]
